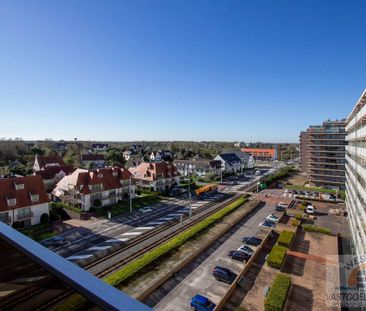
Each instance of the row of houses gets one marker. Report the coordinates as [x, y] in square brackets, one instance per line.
[25, 199]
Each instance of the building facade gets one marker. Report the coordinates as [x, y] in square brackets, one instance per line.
[260, 154]
[323, 154]
[198, 167]
[23, 200]
[93, 161]
[160, 176]
[356, 173]
[95, 188]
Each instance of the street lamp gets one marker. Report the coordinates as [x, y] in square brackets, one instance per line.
[129, 195]
[258, 183]
[189, 196]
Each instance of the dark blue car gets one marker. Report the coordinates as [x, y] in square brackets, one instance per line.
[202, 303]
[251, 240]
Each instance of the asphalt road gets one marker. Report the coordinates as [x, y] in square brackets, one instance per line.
[176, 295]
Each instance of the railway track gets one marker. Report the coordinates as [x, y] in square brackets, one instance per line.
[15, 299]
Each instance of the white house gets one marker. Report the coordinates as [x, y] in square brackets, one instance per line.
[158, 176]
[95, 188]
[155, 156]
[23, 200]
[198, 167]
[93, 161]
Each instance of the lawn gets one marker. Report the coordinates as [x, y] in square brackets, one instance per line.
[145, 199]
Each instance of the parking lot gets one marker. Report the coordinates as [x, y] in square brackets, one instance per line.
[200, 280]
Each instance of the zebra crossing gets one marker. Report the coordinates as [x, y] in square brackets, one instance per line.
[135, 232]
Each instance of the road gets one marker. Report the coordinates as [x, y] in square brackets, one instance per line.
[177, 294]
[87, 242]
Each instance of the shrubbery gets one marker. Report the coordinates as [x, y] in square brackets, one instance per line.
[295, 222]
[147, 258]
[77, 301]
[286, 171]
[278, 292]
[298, 216]
[313, 228]
[276, 256]
[285, 238]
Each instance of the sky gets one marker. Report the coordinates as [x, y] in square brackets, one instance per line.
[249, 70]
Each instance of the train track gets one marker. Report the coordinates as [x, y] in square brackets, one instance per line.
[26, 294]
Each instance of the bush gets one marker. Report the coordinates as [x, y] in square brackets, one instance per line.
[44, 218]
[16, 225]
[298, 216]
[278, 292]
[147, 258]
[295, 222]
[276, 256]
[302, 207]
[312, 228]
[97, 203]
[285, 238]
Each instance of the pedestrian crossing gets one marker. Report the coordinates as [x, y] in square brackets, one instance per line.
[135, 232]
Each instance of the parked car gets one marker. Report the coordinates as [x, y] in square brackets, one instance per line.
[280, 208]
[56, 241]
[145, 210]
[251, 240]
[202, 303]
[224, 274]
[246, 249]
[272, 218]
[238, 255]
[310, 210]
[267, 224]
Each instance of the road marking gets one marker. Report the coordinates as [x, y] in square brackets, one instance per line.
[131, 233]
[77, 257]
[144, 228]
[156, 223]
[117, 240]
[98, 248]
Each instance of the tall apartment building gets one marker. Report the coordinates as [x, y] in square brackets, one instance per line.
[322, 150]
[356, 173]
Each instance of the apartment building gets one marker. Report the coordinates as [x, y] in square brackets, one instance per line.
[323, 154]
[95, 188]
[260, 154]
[23, 200]
[356, 173]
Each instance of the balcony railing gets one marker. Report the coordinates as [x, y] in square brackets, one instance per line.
[24, 216]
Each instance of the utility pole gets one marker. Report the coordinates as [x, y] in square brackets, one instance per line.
[189, 196]
[129, 190]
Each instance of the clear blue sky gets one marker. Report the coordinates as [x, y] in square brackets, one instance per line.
[184, 70]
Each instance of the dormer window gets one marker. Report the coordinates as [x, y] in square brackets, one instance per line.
[115, 174]
[12, 202]
[19, 186]
[100, 175]
[34, 197]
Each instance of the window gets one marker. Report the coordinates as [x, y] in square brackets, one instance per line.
[19, 186]
[34, 197]
[12, 202]
[4, 216]
[24, 212]
[115, 174]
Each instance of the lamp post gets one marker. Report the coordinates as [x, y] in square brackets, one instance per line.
[129, 193]
[189, 195]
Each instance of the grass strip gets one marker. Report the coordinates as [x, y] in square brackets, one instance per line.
[78, 302]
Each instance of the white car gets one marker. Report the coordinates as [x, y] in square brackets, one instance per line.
[272, 218]
[246, 249]
[145, 210]
[310, 210]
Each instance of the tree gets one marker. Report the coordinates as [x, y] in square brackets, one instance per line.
[44, 218]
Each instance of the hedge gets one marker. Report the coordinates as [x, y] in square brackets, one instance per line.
[278, 292]
[295, 222]
[282, 173]
[57, 205]
[285, 238]
[147, 258]
[313, 228]
[276, 256]
[131, 268]
[298, 216]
